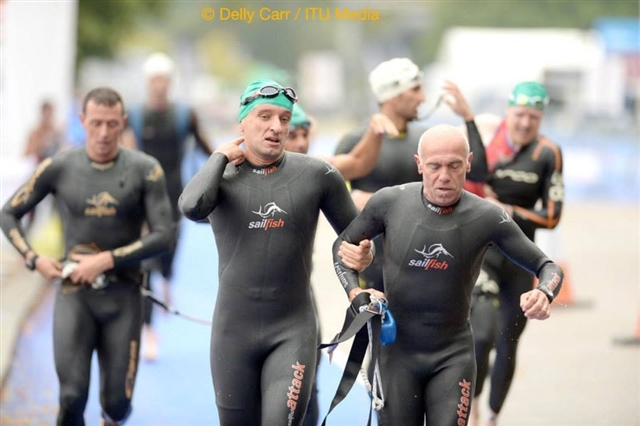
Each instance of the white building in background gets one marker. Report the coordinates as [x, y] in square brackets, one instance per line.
[38, 47]
[487, 62]
[38, 44]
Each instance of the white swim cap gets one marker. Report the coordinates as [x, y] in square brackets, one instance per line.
[393, 77]
[158, 64]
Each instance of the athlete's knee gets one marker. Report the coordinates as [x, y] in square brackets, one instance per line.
[116, 409]
[72, 404]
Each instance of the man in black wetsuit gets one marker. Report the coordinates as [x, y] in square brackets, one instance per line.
[105, 193]
[356, 163]
[397, 86]
[263, 205]
[525, 179]
[162, 129]
[435, 236]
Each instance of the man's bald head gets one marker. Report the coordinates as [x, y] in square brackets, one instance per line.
[444, 134]
[443, 160]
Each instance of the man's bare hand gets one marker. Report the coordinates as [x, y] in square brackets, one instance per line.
[380, 124]
[535, 305]
[357, 257]
[453, 97]
[90, 266]
[232, 151]
[48, 267]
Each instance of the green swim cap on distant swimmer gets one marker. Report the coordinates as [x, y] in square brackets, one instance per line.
[529, 94]
[299, 118]
[252, 97]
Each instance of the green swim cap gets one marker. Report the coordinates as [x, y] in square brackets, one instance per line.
[299, 118]
[529, 94]
[252, 89]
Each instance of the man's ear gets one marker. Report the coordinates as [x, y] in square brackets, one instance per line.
[417, 158]
[469, 159]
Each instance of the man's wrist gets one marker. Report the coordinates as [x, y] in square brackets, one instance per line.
[30, 260]
[547, 293]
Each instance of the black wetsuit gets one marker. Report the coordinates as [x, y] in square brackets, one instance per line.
[103, 207]
[396, 165]
[532, 182]
[432, 259]
[264, 334]
[163, 135]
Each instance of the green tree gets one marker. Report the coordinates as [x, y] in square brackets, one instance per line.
[103, 25]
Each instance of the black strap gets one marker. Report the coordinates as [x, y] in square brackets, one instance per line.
[354, 325]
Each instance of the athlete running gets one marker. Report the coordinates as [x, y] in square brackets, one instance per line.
[435, 237]
[354, 164]
[161, 128]
[105, 193]
[397, 86]
[263, 205]
[525, 179]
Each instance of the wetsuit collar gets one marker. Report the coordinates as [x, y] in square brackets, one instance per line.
[439, 210]
[103, 165]
[265, 170]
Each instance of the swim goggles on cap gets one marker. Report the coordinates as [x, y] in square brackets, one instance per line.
[271, 92]
[535, 101]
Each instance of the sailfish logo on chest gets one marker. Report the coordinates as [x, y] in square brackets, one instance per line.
[102, 204]
[268, 213]
[431, 257]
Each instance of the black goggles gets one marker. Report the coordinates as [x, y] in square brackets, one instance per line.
[271, 92]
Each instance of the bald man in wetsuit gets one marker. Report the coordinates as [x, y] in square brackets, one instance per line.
[435, 236]
[263, 205]
[105, 193]
[397, 86]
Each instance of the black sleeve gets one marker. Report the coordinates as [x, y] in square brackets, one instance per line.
[337, 205]
[200, 195]
[24, 200]
[367, 225]
[511, 241]
[158, 216]
[479, 168]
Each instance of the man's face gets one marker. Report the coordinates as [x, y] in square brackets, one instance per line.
[104, 125]
[265, 130]
[523, 124]
[406, 104]
[443, 164]
[159, 86]
[298, 140]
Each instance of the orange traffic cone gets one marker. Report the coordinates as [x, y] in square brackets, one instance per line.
[633, 340]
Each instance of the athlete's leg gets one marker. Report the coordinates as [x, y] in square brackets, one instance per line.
[513, 283]
[149, 337]
[449, 392]
[484, 317]
[236, 367]
[288, 376]
[484, 320]
[163, 265]
[403, 377]
[313, 410]
[74, 339]
[120, 310]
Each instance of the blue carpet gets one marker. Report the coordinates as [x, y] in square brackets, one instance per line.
[174, 391]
